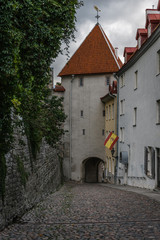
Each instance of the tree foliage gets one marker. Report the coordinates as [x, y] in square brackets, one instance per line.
[31, 34]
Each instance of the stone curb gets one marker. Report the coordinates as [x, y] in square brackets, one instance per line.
[154, 194]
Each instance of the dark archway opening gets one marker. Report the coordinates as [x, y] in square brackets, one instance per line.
[93, 168]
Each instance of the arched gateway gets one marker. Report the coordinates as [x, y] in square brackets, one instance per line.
[93, 169]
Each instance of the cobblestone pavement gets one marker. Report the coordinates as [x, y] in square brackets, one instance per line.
[89, 212]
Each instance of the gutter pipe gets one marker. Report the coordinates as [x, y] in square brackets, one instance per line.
[70, 127]
[116, 77]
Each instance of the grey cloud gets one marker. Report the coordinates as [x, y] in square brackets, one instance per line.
[119, 19]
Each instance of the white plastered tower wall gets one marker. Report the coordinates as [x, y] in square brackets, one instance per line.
[84, 98]
[85, 78]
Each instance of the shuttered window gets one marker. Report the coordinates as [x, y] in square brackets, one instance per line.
[158, 111]
[149, 162]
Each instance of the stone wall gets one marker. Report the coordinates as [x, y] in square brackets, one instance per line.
[28, 181]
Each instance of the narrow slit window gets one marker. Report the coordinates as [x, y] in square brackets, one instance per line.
[81, 113]
[81, 82]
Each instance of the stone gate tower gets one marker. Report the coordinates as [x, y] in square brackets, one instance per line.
[85, 78]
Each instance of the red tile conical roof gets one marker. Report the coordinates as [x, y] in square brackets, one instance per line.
[95, 55]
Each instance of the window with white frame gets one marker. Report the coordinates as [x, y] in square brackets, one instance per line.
[122, 102]
[122, 81]
[149, 30]
[113, 111]
[121, 134]
[139, 42]
[135, 117]
[158, 111]
[149, 162]
[136, 80]
[158, 62]
[109, 112]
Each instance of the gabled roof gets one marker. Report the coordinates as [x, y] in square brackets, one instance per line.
[59, 88]
[107, 97]
[141, 31]
[95, 55]
[129, 50]
[154, 18]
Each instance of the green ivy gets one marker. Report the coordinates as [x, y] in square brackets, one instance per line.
[31, 35]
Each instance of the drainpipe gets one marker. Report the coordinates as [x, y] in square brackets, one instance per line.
[116, 77]
[70, 127]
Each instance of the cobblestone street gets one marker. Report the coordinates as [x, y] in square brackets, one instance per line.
[89, 211]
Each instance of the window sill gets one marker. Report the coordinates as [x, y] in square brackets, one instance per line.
[158, 74]
[150, 176]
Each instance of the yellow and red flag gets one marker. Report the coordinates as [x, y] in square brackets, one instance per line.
[111, 140]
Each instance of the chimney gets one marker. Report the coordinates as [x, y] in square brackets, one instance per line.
[116, 51]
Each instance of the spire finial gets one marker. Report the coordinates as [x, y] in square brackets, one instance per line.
[98, 10]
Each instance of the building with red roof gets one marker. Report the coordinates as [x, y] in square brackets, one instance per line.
[152, 22]
[139, 108]
[86, 77]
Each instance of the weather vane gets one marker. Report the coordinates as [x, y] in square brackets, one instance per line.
[98, 10]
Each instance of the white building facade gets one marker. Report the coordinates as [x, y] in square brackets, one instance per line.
[139, 112]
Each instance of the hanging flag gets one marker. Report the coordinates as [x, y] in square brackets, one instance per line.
[111, 140]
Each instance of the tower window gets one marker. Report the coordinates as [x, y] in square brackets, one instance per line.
[107, 81]
[81, 82]
[81, 113]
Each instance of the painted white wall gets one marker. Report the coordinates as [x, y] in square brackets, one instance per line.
[146, 132]
[86, 98]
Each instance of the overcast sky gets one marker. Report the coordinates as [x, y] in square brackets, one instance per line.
[118, 18]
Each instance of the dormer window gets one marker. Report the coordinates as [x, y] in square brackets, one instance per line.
[139, 42]
[149, 30]
[125, 59]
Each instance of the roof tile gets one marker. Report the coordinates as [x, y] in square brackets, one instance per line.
[95, 55]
